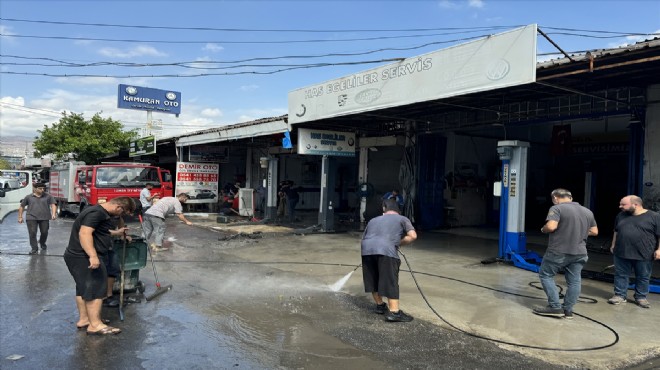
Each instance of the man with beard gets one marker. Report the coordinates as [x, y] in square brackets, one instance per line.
[636, 243]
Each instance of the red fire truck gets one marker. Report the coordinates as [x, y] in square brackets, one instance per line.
[76, 185]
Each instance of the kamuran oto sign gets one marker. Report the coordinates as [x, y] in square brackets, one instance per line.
[145, 98]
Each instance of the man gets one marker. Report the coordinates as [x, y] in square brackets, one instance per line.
[569, 224]
[394, 194]
[40, 209]
[636, 243]
[146, 198]
[91, 237]
[380, 261]
[292, 198]
[154, 219]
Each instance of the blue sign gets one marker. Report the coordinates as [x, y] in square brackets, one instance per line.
[145, 98]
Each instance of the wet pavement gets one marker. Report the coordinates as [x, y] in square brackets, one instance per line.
[262, 301]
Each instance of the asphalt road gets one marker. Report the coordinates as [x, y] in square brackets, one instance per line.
[222, 313]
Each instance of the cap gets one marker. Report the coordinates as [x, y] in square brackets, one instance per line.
[40, 185]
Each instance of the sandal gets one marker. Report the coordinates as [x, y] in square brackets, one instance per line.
[108, 330]
[105, 321]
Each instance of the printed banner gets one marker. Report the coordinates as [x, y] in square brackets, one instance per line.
[142, 146]
[198, 180]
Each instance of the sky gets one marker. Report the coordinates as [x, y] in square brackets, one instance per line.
[236, 61]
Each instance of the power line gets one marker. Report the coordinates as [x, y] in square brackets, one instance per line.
[136, 124]
[251, 29]
[378, 38]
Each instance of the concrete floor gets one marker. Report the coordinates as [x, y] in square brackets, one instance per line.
[450, 287]
[240, 302]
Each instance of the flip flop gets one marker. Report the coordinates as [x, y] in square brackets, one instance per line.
[108, 330]
[105, 321]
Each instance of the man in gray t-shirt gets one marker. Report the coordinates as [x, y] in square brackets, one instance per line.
[380, 261]
[39, 208]
[154, 219]
[569, 224]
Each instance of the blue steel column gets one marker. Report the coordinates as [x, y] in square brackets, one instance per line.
[504, 209]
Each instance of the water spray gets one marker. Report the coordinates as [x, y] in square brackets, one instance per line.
[340, 283]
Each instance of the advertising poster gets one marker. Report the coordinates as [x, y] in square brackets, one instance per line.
[142, 146]
[198, 180]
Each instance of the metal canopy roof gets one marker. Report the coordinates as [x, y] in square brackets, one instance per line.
[599, 82]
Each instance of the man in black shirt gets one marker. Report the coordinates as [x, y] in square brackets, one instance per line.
[636, 243]
[90, 240]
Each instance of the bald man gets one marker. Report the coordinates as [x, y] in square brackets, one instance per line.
[636, 243]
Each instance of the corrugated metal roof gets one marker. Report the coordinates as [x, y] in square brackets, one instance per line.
[597, 53]
[259, 127]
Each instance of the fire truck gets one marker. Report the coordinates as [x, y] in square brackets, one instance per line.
[76, 185]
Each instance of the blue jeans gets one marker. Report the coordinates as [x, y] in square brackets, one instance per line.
[622, 270]
[572, 265]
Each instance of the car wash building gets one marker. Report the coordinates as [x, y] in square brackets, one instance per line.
[476, 134]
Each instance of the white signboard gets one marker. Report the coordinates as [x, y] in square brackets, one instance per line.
[198, 180]
[319, 142]
[502, 60]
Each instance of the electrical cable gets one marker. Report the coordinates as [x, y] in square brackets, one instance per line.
[412, 273]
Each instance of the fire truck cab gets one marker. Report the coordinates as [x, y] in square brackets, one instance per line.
[76, 185]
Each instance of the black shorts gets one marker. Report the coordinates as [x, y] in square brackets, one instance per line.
[381, 274]
[112, 265]
[91, 284]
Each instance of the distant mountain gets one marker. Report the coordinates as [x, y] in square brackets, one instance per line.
[16, 146]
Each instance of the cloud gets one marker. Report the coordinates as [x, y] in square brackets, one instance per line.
[211, 112]
[80, 81]
[6, 34]
[479, 4]
[248, 88]
[254, 114]
[456, 4]
[137, 51]
[214, 48]
[632, 39]
[447, 4]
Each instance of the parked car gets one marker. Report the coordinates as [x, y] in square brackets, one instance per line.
[205, 194]
[10, 183]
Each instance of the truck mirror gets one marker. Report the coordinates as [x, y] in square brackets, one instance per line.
[2, 193]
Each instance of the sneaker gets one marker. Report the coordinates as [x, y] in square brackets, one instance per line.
[156, 248]
[398, 316]
[381, 308]
[34, 251]
[643, 303]
[568, 315]
[549, 311]
[44, 247]
[617, 299]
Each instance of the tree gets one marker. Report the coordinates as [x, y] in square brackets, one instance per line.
[87, 141]
[4, 164]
